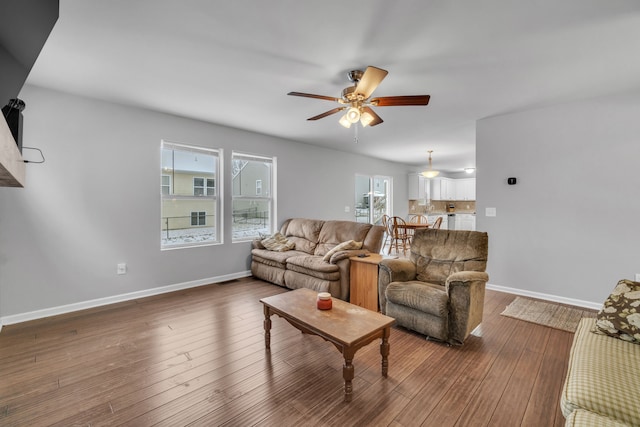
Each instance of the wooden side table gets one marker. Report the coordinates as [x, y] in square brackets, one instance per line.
[364, 281]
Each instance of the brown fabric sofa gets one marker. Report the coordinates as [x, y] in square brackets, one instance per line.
[439, 290]
[304, 266]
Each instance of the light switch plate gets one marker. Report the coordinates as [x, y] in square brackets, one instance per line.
[121, 268]
[490, 211]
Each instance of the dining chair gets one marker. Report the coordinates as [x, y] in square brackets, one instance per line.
[416, 219]
[385, 222]
[437, 223]
[399, 235]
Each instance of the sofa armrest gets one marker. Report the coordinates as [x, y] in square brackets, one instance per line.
[257, 244]
[393, 270]
[340, 255]
[466, 303]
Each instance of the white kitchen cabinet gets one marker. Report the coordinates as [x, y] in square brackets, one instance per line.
[443, 189]
[417, 187]
[465, 189]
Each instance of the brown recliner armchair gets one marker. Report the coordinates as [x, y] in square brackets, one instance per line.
[439, 290]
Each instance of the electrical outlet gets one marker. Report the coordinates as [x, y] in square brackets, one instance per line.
[347, 209]
[122, 268]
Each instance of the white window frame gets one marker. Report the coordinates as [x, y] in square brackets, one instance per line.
[214, 219]
[258, 187]
[266, 194]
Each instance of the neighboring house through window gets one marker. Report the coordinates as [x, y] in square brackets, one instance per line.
[191, 207]
[198, 218]
[253, 196]
[166, 184]
[204, 186]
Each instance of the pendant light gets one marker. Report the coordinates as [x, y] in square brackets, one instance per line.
[430, 173]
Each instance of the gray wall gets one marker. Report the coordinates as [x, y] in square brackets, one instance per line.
[95, 202]
[570, 227]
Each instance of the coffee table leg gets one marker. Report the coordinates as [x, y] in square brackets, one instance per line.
[267, 328]
[347, 374]
[384, 351]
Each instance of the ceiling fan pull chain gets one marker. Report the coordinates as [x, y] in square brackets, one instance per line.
[355, 133]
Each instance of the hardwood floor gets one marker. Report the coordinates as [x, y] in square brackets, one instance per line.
[197, 357]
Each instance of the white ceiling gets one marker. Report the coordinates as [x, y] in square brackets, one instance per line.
[233, 62]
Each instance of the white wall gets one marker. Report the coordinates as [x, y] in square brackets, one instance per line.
[570, 227]
[95, 201]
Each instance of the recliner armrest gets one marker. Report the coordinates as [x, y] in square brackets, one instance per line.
[466, 302]
[467, 276]
[393, 270]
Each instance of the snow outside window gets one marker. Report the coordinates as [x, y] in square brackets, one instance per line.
[253, 198]
[191, 208]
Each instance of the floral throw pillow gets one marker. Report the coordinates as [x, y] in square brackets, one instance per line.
[277, 243]
[344, 246]
[620, 314]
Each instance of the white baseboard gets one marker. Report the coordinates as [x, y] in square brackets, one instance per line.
[54, 311]
[547, 297]
[39, 314]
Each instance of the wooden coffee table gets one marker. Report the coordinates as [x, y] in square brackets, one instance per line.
[346, 326]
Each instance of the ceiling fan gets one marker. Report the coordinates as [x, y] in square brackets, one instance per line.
[357, 101]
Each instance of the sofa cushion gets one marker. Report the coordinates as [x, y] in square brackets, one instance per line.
[313, 266]
[304, 233]
[620, 314]
[336, 232]
[602, 376]
[439, 253]
[273, 258]
[277, 243]
[421, 296]
[582, 418]
[344, 246]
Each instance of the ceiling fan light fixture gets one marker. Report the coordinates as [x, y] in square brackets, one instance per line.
[344, 121]
[366, 119]
[353, 115]
[430, 173]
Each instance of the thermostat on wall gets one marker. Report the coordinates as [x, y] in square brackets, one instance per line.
[511, 181]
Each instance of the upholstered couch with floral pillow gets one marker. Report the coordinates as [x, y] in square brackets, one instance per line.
[319, 254]
[602, 386]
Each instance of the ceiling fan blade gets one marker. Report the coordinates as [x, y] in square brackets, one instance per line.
[311, 95]
[370, 80]
[326, 113]
[393, 101]
[376, 118]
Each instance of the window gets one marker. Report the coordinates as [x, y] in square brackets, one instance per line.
[373, 198]
[166, 184]
[190, 205]
[253, 198]
[198, 218]
[199, 188]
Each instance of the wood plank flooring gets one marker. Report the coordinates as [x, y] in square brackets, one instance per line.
[197, 357]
